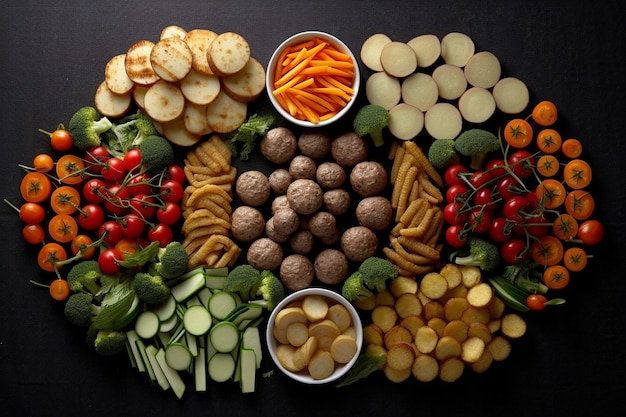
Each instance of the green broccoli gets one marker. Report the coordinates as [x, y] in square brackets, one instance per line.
[85, 275]
[156, 153]
[442, 153]
[255, 127]
[271, 289]
[151, 289]
[371, 119]
[110, 342]
[477, 143]
[482, 254]
[80, 310]
[354, 289]
[371, 360]
[171, 261]
[128, 134]
[245, 280]
[376, 272]
[86, 125]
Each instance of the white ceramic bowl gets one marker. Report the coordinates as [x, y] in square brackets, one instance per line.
[302, 37]
[340, 369]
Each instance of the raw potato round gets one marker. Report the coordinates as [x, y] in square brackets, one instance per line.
[137, 63]
[247, 84]
[398, 59]
[173, 31]
[443, 121]
[477, 105]
[511, 95]
[109, 103]
[164, 101]
[457, 48]
[427, 49]
[198, 41]
[225, 114]
[171, 59]
[194, 118]
[483, 70]
[420, 90]
[450, 81]
[371, 50]
[115, 76]
[383, 89]
[200, 88]
[405, 121]
[228, 53]
[176, 132]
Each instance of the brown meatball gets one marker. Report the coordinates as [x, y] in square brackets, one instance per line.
[330, 175]
[302, 167]
[296, 272]
[323, 224]
[348, 149]
[280, 180]
[247, 223]
[253, 188]
[331, 266]
[302, 242]
[280, 202]
[374, 212]
[270, 231]
[264, 253]
[305, 196]
[286, 221]
[314, 143]
[359, 243]
[337, 201]
[368, 178]
[279, 145]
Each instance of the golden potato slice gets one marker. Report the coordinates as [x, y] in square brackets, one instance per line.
[513, 325]
[343, 348]
[247, 84]
[137, 63]
[397, 334]
[285, 355]
[433, 285]
[325, 332]
[384, 316]
[496, 307]
[297, 333]
[480, 295]
[479, 330]
[340, 315]
[173, 31]
[400, 356]
[164, 101]
[171, 58]
[200, 88]
[403, 285]
[500, 348]
[426, 339]
[483, 363]
[110, 104]
[315, 307]
[412, 323]
[458, 329]
[472, 349]
[373, 335]
[427, 49]
[408, 304]
[476, 314]
[447, 347]
[453, 308]
[396, 375]
[398, 59]
[284, 318]
[321, 365]
[303, 354]
[433, 309]
[451, 369]
[425, 368]
[199, 41]
[115, 76]
[385, 298]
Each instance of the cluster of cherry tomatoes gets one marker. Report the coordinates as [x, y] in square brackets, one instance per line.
[96, 205]
[532, 200]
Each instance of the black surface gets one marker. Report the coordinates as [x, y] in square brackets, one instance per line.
[571, 361]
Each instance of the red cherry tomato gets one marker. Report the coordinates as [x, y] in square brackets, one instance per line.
[451, 175]
[143, 205]
[114, 170]
[176, 173]
[139, 184]
[94, 190]
[161, 233]
[591, 232]
[536, 302]
[95, 158]
[171, 191]
[479, 178]
[132, 225]
[479, 220]
[132, 159]
[169, 214]
[513, 251]
[117, 197]
[485, 197]
[108, 261]
[516, 208]
[499, 230]
[456, 236]
[456, 192]
[496, 167]
[538, 225]
[452, 215]
[91, 216]
[508, 187]
[521, 162]
[113, 230]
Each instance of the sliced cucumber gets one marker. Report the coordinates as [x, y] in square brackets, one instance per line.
[224, 337]
[251, 339]
[178, 356]
[204, 295]
[173, 378]
[197, 320]
[215, 282]
[166, 309]
[188, 287]
[247, 369]
[193, 301]
[221, 304]
[169, 324]
[221, 367]
[147, 324]
[199, 369]
[132, 336]
[253, 312]
[152, 351]
[191, 342]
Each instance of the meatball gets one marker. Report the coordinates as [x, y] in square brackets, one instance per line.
[302, 242]
[368, 178]
[374, 212]
[286, 221]
[359, 243]
[348, 149]
[331, 266]
[296, 272]
[280, 180]
[323, 225]
[253, 188]
[279, 145]
[272, 233]
[302, 167]
[314, 143]
[247, 223]
[337, 201]
[264, 253]
[305, 196]
[280, 202]
[330, 175]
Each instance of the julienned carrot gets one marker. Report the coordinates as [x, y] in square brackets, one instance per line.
[313, 80]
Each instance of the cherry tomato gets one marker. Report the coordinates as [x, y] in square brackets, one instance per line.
[83, 242]
[143, 205]
[521, 162]
[132, 159]
[33, 233]
[132, 225]
[117, 199]
[113, 230]
[513, 251]
[536, 302]
[70, 169]
[456, 192]
[61, 140]
[479, 220]
[516, 208]
[108, 261]
[32, 213]
[169, 214]
[139, 184]
[171, 191]
[591, 232]
[62, 228]
[43, 163]
[451, 175]
[161, 233]
[479, 178]
[496, 167]
[95, 158]
[451, 214]
[65, 200]
[499, 230]
[59, 289]
[35, 187]
[518, 133]
[94, 190]
[128, 246]
[49, 255]
[508, 187]
[456, 236]
[538, 225]
[91, 216]
[176, 173]
[485, 197]
[114, 170]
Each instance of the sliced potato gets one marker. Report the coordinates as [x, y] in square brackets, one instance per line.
[171, 59]
[480, 295]
[408, 304]
[476, 315]
[176, 132]
[513, 326]
[199, 41]
[371, 50]
[471, 275]
[483, 363]
[373, 335]
[480, 330]
[398, 59]
[425, 368]
[247, 84]
[457, 48]
[433, 285]
[499, 347]
[303, 354]
[384, 316]
[343, 348]
[139, 93]
[321, 365]
[173, 31]
[225, 114]
[438, 324]
[451, 369]
[420, 90]
[427, 49]
[443, 121]
[412, 323]
[164, 101]
[115, 75]
[433, 310]
[228, 53]
[400, 356]
[511, 95]
[339, 315]
[447, 347]
[454, 307]
[385, 298]
[457, 329]
[477, 105]
[325, 332]
[396, 375]
[452, 274]
[284, 318]
[483, 70]
[200, 88]
[426, 339]
[451, 81]
[297, 334]
[137, 63]
[383, 89]
[195, 120]
[472, 349]
[315, 307]
[110, 104]
[405, 121]
[285, 355]
[397, 334]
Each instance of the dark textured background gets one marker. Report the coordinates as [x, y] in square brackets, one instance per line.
[571, 361]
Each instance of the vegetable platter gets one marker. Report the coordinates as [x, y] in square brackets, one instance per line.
[495, 259]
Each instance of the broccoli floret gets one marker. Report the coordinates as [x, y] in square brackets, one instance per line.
[271, 289]
[156, 153]
[442, 153]
[354, 289]
[477, 143]
[86, 125]
[371, 119]
[128, 134]
[376, 272]
[151, 289]
[246, 135]
[110, 342]
[85, 276]
[245, 280]
[80, 309]
[171, 261]
[482, 254]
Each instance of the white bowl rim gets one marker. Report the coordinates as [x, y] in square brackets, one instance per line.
[339, 371]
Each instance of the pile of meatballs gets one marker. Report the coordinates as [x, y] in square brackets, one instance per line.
[320, 208]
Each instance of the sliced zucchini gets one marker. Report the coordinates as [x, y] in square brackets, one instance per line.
[224, 337]
[251, 339]
[247, 370]
[221, 304]
[221, 367]
[188, 287]
[147, 324]
[174, 379]
[197, 320]
[166, 309]
[151, 352]
[178, 356]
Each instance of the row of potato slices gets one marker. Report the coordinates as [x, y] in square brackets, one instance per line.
[449, 321]
[190, 83]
